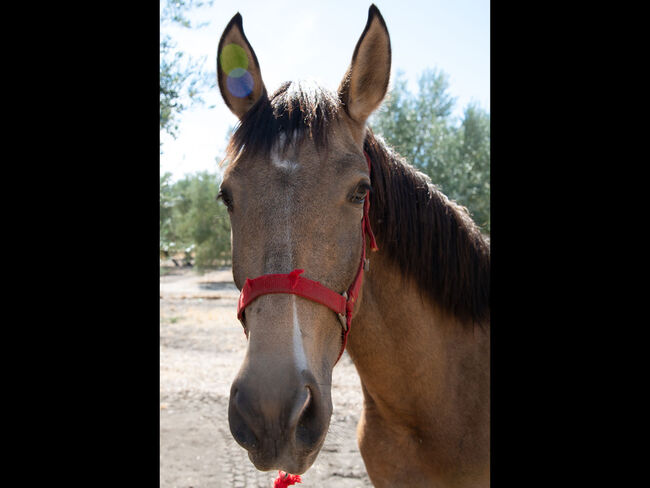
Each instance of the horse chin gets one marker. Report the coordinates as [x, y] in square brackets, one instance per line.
[293, 456]
[297, 463]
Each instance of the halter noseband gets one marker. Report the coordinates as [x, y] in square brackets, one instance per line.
[293, 283]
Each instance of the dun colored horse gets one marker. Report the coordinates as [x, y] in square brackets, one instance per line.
[309, 188]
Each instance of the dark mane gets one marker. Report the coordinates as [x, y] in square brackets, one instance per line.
[432, 239]
[300, 108]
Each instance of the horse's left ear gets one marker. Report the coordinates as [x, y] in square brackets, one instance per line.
[238, 71]
[366, 81]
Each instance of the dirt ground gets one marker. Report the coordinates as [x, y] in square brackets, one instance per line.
[202, 346]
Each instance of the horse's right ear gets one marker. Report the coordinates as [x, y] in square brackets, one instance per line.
[366, 81]
[238, 71]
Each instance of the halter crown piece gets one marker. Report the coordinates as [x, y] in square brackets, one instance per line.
[293, 283]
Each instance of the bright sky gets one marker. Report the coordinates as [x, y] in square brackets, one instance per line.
[312, 39]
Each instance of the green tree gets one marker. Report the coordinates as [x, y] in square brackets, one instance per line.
[421, 128]
[200, 223]
[167, 235]
[468, 156]
[182, 78]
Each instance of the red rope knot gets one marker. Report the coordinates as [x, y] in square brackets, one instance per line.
[285, 479]
[293, 278]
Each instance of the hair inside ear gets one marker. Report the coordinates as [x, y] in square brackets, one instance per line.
[366, 82]
[238, 72]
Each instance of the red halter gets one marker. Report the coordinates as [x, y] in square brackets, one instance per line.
[293, 283]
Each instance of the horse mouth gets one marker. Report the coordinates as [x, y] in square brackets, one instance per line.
[294, 463]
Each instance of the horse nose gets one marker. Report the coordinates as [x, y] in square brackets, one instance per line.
[271, 418]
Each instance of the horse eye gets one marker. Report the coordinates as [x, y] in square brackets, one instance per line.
[359, 193]
[225, 198]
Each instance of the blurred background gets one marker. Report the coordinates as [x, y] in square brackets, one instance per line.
[437, 114]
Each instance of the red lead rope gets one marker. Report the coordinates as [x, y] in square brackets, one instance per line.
[293, 283]
[285, 479]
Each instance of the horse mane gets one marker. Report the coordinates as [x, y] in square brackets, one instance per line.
[432, 239]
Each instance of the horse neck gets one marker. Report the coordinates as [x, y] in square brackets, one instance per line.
[419, 367]
[399, 333]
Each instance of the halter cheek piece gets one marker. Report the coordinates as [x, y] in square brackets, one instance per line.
[293, 283]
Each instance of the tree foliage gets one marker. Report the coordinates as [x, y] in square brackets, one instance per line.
[421, 128]
[182, 78]
[167, 235]
[192, 222]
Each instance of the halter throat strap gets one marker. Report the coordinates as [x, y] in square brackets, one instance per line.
[293, 283]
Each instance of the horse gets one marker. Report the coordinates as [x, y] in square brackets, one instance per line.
[338, 242]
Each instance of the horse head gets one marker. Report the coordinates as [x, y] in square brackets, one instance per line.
[295, 187]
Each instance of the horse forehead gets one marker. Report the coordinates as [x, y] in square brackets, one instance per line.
[290, 153]
[295, 165]
[297, 171]
[284, 162]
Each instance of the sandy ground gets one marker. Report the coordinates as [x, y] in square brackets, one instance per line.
[202, 346]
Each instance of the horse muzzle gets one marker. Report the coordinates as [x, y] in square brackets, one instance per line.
[281, 424]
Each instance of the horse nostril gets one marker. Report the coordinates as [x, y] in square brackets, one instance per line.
[309, 429]
[299, 408]
[239, 425]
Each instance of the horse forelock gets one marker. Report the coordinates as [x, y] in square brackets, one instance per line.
[294, 111]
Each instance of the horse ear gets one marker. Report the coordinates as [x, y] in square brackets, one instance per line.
[366, 81]
[238, 72]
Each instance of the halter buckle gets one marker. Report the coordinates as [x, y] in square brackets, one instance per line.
[344, 322]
